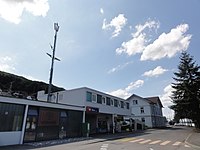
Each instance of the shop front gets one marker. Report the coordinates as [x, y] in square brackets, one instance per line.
[49, 123]
[99, 122]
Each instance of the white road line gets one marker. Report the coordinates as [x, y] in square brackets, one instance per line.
[176, 143]
[104, 147]
[155, 142]
[187, 146]
[146, 141]
[138, 140]
[165, 143]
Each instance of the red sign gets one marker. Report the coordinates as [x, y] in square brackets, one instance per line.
[92, 109]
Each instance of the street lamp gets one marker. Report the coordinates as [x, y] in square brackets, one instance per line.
[56, 28]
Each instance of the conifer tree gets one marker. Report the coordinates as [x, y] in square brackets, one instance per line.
[186, 96]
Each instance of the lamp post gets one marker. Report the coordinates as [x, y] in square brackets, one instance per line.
[56, 28]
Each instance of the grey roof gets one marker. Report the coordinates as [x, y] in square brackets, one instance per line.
[154, 100]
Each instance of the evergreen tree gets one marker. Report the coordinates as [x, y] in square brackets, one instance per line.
[186, 96]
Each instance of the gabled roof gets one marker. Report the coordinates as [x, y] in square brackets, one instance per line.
[154, 100]
[150, 100]
[134, 95]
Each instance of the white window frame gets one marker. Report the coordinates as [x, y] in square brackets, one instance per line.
[103, 101]
[94, 98]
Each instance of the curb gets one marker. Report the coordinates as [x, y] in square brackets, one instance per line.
[192, 145]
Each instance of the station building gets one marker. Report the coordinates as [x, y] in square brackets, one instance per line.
[26, 120]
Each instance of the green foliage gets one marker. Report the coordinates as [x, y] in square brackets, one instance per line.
[186, 96]
[23, 85]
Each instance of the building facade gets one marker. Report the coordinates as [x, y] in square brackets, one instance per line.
[148, 110]
[103, 112]
[23, 120]
[26, 120]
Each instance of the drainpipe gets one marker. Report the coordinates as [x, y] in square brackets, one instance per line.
[24, 125]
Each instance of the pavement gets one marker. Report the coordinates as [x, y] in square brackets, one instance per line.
[193, 140]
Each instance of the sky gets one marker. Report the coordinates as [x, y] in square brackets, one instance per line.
[118, 47]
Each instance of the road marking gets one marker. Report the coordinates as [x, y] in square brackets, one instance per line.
[155, 142]
[127, 139]
[138, 140]
[187, 146]
[165, 143]
[104, 147]
[176, 143]
[145, 141]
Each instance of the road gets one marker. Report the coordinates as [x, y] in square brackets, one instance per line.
[162, 139]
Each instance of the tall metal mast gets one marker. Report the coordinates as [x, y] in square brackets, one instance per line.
[56, 28]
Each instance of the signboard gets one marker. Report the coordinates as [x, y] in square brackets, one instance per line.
[92, 109]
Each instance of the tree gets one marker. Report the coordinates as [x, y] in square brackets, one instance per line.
[186, 96]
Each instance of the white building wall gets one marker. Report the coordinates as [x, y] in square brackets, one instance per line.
[72, 97]
[108, 109]
[136, 110]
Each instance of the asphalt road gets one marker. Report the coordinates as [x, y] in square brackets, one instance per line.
[162, 139]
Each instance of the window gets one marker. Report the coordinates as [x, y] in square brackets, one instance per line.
[135, 102]
[94, 98]
[99, 99]
[108, 101]
[116, 103]
[89, 97]
[127, 105]
[11, 117]
[103, 100]
[122, 104]
[142, 110]
[111, 102]
[143, 119]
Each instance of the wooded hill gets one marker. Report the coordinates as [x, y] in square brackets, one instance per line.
[18, 84]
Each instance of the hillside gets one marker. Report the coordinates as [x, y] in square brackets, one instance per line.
[13, 83]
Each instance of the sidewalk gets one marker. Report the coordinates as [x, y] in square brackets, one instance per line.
[193, 140]
[93, 139]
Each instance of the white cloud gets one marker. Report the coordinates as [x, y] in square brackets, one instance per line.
[138, 43]
[101, 11]
[117, 23]
[166, 101]
[125, 93]
[150, 24]
[12, 10]
[167, 45]
[155, 72]
[7, 64]
[135, 45]
[119, 67]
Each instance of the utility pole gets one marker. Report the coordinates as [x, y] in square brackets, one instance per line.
[56, 28]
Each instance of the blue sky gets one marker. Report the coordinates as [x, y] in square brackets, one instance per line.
[118, 47]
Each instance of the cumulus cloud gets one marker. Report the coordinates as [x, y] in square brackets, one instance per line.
[155, 72]
[167, 45]
[119, 67]
[12, 10]
[126, 92]
[139, 39]
[6, 64]
[166, 101]
[117, 23]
